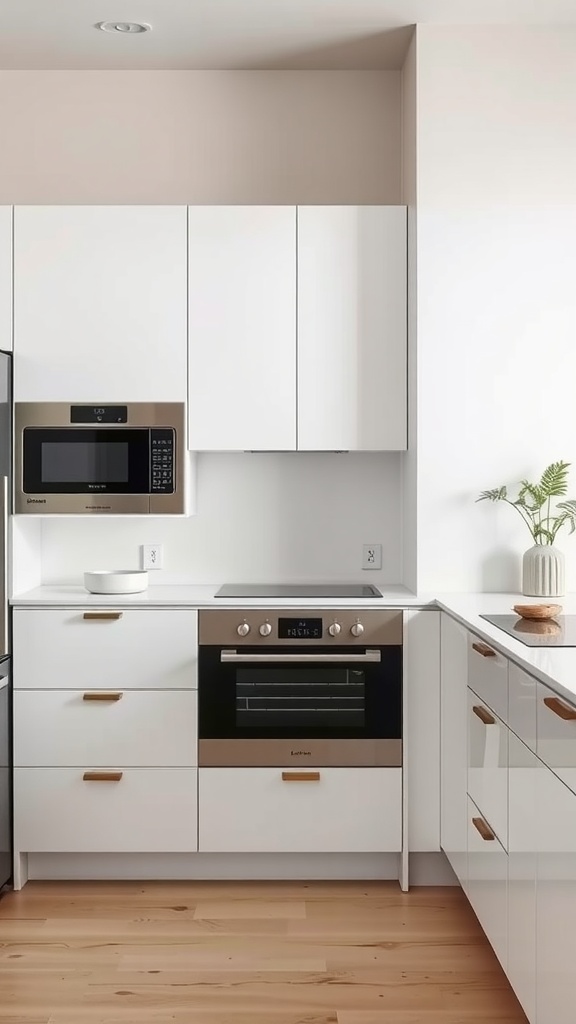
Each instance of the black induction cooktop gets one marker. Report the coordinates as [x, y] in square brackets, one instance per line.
[303, 590]
[559, 632]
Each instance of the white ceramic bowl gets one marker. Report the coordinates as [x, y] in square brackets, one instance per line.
[116, 581]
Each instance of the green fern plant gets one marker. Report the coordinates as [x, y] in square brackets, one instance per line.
[534, 503]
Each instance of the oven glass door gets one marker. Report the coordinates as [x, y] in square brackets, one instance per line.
[316, 698]
[84, 460]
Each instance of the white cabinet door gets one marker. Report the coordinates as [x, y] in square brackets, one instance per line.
[132, 728]
[488, 765]
[422, 728]
[6, 278]
[488, 675]
[318, 810]
[453, 745]
[101, 649]
[556, 729]
[100, 303]
[352, 328]
[555, 900]
[242, 328]
[522, 840]
[134, 810]
[488, 881]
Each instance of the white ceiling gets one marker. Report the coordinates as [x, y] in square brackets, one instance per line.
[223, 34]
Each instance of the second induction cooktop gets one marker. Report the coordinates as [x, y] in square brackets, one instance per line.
[559, 632]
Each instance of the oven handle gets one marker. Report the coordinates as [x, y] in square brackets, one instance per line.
[228, 656]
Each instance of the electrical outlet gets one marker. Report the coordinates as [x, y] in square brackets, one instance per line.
[371, 556]
[151, 555]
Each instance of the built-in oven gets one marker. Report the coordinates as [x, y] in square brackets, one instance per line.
[303, 686]
[109, 459]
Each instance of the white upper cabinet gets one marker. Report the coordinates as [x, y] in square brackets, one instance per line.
[242, 328]
[100, 303]
[297, 328]
[6, 278]
[352, 328]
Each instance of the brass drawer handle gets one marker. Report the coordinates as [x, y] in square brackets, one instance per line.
[300, 776]
[484, 650]
[110, 616]
[563, 711]
[483, 715]
[102, 776]
[484, 829]
[96, 695]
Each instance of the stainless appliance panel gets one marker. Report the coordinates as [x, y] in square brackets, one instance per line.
[338, 753]
[140, 414]
[220, 626]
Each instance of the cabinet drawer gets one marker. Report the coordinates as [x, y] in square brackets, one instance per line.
[488, 881]
[523, 827]
[149, 810]
[522, 705]
[488, 765]
[271, 810]
[488, 675]
[556, 734]
[136, 649]
[144, 728]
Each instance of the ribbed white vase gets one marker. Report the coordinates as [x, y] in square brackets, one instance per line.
[543, 571]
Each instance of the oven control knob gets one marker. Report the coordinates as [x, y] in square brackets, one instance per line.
[243, 629]
[265, 629]
[357, 629]
[335, 629]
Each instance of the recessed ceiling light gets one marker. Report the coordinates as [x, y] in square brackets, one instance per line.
[125, 28]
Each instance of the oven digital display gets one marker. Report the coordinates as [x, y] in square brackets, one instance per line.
[300, 629]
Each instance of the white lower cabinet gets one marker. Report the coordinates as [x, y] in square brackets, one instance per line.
[134, 728]
[488, 881]
[275, 810]
[555, 900]
[453, 746]
[522, 839]
[144, 810]
[488, 765]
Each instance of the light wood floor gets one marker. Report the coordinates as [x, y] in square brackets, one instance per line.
[246, 953]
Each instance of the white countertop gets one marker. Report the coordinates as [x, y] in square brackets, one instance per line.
[202, 596]
[554, 666]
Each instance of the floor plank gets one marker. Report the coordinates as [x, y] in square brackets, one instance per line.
[246, 953]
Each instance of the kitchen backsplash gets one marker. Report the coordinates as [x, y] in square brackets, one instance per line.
[260, 517]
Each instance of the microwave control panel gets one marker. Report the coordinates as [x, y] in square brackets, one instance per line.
[162, 459]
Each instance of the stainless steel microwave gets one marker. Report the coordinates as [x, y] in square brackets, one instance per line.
[99, 459]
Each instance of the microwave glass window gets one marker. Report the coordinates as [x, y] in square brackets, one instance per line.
[78, 463]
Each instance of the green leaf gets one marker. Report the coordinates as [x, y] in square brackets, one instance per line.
[496, 494]
[568, 515]
[554, 479]
[541, 531]
[533, 490]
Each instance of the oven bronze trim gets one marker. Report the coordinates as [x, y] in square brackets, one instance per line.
[359, 753]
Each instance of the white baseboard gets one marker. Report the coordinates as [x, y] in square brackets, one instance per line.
[425, 868]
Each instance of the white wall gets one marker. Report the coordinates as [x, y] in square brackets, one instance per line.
[496, 197]
[200, 136]
[409, 198]
[261, 517]
[220, 137]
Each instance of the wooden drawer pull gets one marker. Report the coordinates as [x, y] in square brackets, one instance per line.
[484, 829]
[563, 711]
[484, 650]
[300, 776]
[110, 616]
[483, 715]
[102, 776]
[96, 695]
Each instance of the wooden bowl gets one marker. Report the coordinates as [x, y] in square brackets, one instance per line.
[541, 612]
